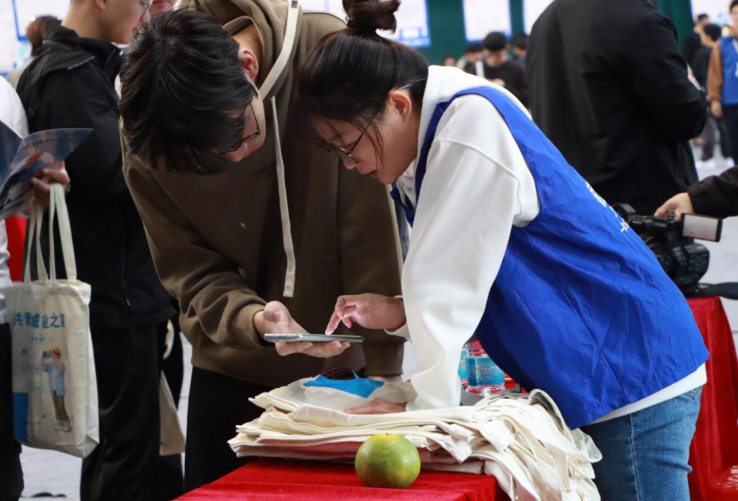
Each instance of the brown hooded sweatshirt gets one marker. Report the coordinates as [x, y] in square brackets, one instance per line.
[285, 224]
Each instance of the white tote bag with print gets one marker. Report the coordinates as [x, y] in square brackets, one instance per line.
[54, 383]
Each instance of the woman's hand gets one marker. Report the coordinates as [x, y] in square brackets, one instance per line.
[377, 406]
[276, 319]
[42, 180]
[372, 311]
[680, 203]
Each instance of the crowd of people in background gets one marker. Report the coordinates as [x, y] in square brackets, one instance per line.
[498, 60]
[710, 52]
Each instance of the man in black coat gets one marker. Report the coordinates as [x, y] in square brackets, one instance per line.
[498, 67]
[693, 41]
[610, 88]
[71, 83]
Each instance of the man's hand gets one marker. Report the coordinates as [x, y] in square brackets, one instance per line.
[680, 203]
[717, 109]
[43, 178]
[499, 82]
[377, 406]
[372, 311]
[276, 319]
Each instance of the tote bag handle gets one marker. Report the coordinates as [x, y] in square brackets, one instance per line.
[57, 207]
[36, 220]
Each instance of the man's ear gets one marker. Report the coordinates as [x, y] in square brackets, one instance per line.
[100, 4]
[248, 61]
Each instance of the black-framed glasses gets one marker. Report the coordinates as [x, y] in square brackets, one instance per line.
[146, 6]
[251, 136]
[346, 155]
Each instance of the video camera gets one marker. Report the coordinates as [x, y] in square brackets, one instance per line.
[672, 240]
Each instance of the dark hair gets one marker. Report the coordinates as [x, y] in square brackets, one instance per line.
[36, 28]
[350, 72]
[713, 31]
[183, 92]
[732, 4]
[474, 47]
[495, 41]
[519, 41]
[702, 17]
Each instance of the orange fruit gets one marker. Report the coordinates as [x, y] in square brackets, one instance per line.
[387, 460]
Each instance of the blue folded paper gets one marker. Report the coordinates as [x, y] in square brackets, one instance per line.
[359, 386]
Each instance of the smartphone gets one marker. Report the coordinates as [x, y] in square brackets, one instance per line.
[701, 227]
[313, 338]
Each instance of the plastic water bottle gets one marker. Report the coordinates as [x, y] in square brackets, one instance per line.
[463, 373]
[484, 375]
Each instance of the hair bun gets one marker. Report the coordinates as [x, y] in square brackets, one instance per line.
[368, 16]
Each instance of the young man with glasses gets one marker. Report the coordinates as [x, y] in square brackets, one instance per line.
[71, 84]
[253, 228]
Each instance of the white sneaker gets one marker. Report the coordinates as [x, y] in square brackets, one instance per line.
[58, 426]
[707, 164]
[67, 426]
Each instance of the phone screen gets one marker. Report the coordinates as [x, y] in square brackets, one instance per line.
[704, 228]
[315, 338]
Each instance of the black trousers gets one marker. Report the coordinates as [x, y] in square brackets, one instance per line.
[730, 118]
[714, 128]
[217, 405]
[11, 476]
[123, 466]
[170, 477]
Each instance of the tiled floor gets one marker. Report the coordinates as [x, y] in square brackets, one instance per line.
[59, 474]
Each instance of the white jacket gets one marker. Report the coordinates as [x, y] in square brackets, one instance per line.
[477, 186]
[13, 115]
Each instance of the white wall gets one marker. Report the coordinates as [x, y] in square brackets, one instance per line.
[15, 15]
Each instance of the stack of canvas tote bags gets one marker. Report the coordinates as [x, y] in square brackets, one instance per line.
[521, 439]
[54, 384]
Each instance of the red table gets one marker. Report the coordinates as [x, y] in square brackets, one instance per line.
[715, 444]
[714, 447]
[272, 479]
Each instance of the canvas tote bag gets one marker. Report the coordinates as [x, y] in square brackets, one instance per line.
[54, 384]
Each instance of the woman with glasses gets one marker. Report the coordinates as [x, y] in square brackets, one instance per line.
[511, 244]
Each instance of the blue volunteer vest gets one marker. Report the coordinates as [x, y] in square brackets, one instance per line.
[580, 307]
[730, 67]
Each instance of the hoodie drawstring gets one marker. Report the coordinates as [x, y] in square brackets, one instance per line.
[266, 88]
[284, 211]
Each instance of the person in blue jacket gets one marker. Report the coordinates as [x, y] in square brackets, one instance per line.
[509, 243]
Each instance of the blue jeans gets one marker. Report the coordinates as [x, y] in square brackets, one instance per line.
[645, 454]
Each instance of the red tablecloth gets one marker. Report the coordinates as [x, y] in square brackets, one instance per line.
[270, 479]
[715, 444]
[714, 447]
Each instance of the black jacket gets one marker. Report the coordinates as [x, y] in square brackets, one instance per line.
[691, 44]
[609, 87]
[716, 196]
[71, 84]
[509, 72]
[700, 64]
